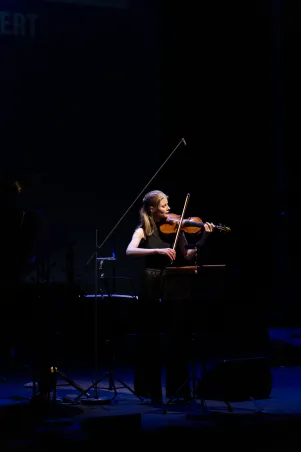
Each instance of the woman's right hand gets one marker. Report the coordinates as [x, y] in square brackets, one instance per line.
[171, 253]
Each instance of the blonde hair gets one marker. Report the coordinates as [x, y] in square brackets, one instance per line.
[151, 199]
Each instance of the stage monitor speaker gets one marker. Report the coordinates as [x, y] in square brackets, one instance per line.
[237, 380]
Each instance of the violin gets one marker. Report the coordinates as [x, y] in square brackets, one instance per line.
[191, 225]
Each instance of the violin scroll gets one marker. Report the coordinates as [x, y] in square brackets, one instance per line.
[222, 228]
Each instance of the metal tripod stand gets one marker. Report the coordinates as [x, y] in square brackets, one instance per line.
[109, 374]
[196, 389]
[112, 378]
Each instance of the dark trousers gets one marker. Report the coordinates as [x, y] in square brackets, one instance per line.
[178, 350]
[154, 322]
[151, 355]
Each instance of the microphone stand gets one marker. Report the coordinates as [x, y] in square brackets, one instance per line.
[96, 259]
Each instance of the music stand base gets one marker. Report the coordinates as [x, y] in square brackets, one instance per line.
[198, 410]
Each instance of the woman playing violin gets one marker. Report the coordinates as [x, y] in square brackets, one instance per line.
[158, 251]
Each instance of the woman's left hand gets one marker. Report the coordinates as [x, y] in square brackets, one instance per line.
[209, 227]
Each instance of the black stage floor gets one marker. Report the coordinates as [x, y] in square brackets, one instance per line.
[126, 421]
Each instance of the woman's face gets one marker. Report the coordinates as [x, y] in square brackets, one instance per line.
[162, 210]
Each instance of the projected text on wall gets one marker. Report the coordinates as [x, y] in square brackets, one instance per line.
[18, 24]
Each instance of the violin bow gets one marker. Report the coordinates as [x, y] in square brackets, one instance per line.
[181, 221]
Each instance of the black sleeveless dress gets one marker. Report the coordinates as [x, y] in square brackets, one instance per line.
[150, 284]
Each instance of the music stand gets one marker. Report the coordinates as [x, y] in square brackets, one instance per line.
[193, 379]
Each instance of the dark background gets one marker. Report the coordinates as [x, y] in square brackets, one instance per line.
[96, 102]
